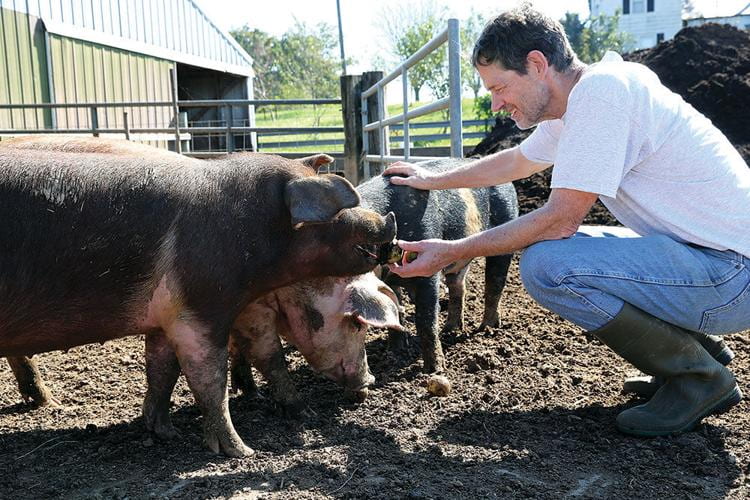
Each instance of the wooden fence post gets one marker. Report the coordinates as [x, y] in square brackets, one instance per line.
[369, 79]
[351, 110]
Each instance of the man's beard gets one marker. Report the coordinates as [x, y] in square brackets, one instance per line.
[534, 109]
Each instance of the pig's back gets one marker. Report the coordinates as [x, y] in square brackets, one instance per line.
[79, 237]
[446, 214]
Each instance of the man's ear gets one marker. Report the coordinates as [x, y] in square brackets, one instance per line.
[319, 198]
[537, 63]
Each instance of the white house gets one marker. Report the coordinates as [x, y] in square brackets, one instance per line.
[739, 20]
[648, 21]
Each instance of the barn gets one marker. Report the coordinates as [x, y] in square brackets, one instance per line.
[117, 51]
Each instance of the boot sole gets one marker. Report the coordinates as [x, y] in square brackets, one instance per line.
[732, 398]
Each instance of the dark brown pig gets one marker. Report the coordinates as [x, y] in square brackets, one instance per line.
[95, 246]
[326, 320]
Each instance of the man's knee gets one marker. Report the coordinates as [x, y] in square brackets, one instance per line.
[538, 267]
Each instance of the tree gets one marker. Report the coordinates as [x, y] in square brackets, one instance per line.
[601, 34]
[592, 38]
[407, 27]
[261, 46]
[574, 29]
[471, 28]
[308, 64]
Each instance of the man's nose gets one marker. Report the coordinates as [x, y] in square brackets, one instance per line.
[497, 104]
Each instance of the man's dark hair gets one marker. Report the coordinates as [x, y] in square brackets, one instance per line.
[508, 39]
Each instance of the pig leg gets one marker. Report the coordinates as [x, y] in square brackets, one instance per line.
[162, 371]
[240, 367]
[456, 292]
[427, 309]
[267, 355]
[203, 354]
[30, 382]
[398, 340]
[495, 276]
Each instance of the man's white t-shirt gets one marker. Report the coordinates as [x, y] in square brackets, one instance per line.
[656, 163]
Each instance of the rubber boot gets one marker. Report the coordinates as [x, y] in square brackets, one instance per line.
[645, 386]
[696, 385]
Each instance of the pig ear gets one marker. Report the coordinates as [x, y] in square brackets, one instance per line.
[318, 199]
[316, 161]
[375, 307]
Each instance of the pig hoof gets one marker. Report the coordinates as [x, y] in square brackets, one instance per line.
[453, 327]
[232, 449]
[44, 402]
[166, 432]
[486, 324]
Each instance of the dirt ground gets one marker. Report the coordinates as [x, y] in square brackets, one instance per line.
[531, 415]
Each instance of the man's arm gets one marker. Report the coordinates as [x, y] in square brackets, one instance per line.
[559, 218]
[498, 168]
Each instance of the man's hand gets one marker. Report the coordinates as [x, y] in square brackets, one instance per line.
[432, 256]
[416, 176]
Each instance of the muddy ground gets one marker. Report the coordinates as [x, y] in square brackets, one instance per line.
[531, 415]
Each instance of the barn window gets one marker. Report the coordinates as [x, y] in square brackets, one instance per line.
[626, 6]
[650, 6]
[659, 37]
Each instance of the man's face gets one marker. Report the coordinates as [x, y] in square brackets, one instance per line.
[525, 97]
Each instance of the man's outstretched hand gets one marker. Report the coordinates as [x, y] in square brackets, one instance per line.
[432, 256]
[408, 174]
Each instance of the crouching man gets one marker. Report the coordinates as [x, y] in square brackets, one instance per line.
[615, 133]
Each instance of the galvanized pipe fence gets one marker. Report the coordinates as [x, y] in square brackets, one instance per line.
[451, 36]
[178, 130]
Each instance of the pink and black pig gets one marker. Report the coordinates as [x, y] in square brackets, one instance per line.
[326, 319]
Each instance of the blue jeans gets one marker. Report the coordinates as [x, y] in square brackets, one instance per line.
[587, 278]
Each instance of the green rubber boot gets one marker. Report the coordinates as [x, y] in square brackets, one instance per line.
[645, 386]
[696, 385]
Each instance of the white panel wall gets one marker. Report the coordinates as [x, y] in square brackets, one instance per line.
[644, 26]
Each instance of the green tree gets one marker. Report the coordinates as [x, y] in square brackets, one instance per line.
[407, 27]
[471, 28]
[308, 64]
[262, 48]
[574, 29]
[601, 34]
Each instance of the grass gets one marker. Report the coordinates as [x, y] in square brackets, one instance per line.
[330, 116]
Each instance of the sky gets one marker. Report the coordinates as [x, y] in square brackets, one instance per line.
[363, 40]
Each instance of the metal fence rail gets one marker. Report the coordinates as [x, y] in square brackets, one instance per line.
[452, 102]
[177, 130]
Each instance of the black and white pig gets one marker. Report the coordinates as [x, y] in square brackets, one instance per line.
[95, 246]
[446, 214]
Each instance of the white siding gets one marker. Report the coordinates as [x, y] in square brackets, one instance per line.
[644, 26]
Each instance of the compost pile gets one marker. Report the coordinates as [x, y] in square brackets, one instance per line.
[709, 66]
